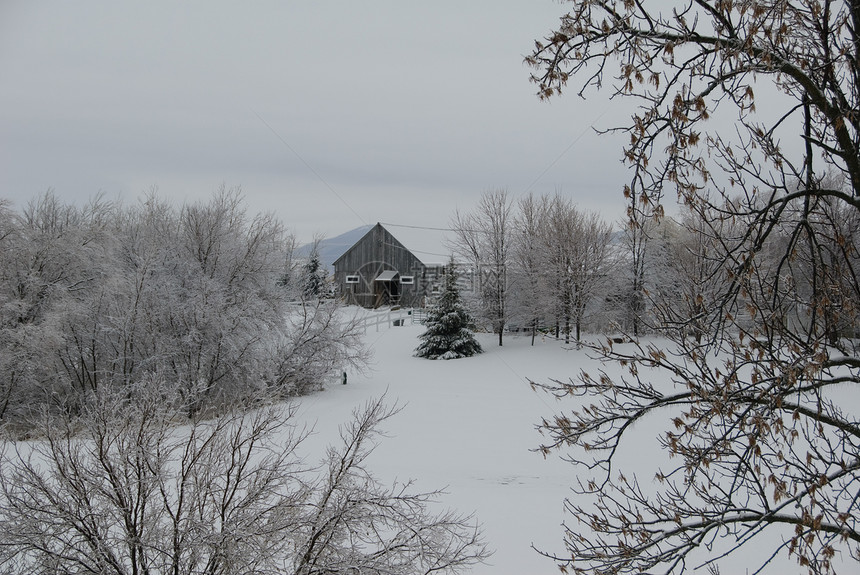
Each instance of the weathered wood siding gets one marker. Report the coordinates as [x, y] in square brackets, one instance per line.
[374, 253]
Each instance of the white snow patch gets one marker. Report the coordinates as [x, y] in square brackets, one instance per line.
[469, 426]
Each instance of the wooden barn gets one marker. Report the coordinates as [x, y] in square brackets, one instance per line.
[379, 271]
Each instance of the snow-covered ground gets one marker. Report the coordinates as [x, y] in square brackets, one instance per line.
[467, 426]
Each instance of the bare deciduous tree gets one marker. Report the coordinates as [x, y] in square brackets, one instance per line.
[562, 256]
[104, 296]
[762, 439]
[484, 237]
[123, 490]
[589, 265]
[316, 341]
[534, 294]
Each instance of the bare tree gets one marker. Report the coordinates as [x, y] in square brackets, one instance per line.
[123, 490]
[104, 296]
[691, 276]
[357, 525]
[316, 341]
[642, 216]
[484, 237]
[535, 295]
[559, 240]
[14, 358]
[574, 246]
[589, 264]
[762, 442]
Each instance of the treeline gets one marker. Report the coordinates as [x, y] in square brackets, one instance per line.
[542, 264]
[201, 301]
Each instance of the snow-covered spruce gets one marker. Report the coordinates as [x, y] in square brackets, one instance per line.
[449, 326]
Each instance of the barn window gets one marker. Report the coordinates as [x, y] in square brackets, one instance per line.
[352, 279]
[407, 279]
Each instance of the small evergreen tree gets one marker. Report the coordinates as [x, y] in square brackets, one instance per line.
[448, 334]
[313, 277]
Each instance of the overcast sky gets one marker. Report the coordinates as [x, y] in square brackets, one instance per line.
[331, 113]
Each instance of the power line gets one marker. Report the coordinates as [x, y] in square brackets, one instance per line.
[564, 152]
[308, 166]
[434, 229]
[418, 227]
[362, 220]
[410, 250]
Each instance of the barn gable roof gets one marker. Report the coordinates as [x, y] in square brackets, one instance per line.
[427, 246]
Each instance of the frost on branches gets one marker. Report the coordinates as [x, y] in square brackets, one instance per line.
[124, 490]
[448, 334]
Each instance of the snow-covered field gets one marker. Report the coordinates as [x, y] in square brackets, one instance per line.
[468, 426]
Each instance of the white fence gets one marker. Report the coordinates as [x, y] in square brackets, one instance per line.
[392, 317]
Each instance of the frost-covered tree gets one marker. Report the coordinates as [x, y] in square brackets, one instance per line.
[316, 341]
[122, 490]
[449, 326]
[313, 276]
[575, 246]
[561, 261]
[484, 237]
[589, 265]
[104, 296]
[534, 293]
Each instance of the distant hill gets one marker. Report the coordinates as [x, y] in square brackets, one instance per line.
[332, 248]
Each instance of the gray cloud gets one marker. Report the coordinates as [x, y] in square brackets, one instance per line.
[320, 110]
